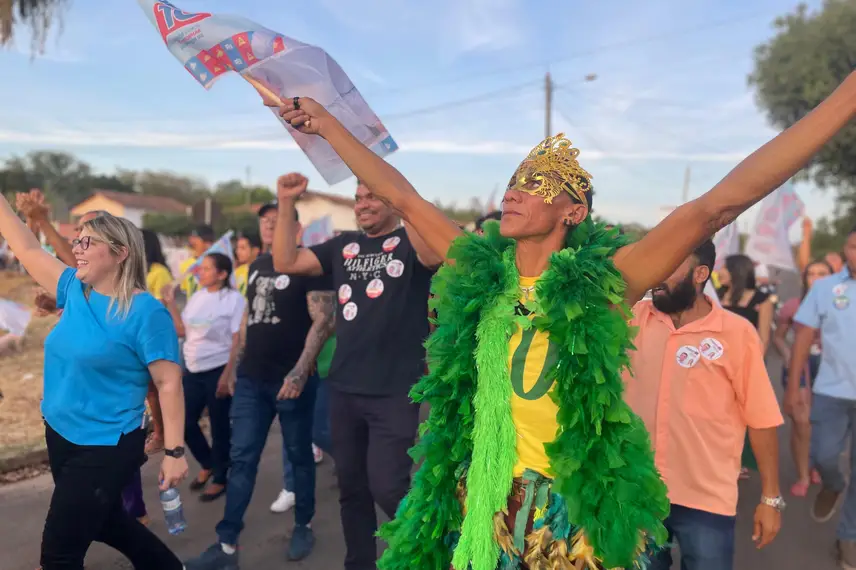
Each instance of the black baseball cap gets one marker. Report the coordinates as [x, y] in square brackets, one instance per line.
[267, 208]
[274, 206]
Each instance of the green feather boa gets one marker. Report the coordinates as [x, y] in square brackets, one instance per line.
[601, 458]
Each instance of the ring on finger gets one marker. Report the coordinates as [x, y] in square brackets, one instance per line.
[296, 102]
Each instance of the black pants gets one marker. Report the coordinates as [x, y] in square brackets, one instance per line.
[371, 436]
[200, 391]
[86, 505]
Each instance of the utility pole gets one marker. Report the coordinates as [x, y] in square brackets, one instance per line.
[247, 186]
[548, 91]
[686, 193]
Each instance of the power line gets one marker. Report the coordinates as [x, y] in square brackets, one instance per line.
[675, 32]
[462, 102]
[661, 130]
[602, 149]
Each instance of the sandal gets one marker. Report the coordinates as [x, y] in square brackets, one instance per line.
[199, 484]
[207, 497]
[800, 488]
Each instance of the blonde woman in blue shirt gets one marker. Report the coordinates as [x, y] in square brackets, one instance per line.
[111, 340]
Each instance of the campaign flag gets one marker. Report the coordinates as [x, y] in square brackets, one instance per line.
[14, 317]
[209, 45]
[710, 291]
[222, 245]
[318, 231]
[727, 242]
[768, 243]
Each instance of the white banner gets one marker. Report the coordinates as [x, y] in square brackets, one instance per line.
[727, 242]
[318, 231]
[14, 317]
[209, 45]
[768, 243]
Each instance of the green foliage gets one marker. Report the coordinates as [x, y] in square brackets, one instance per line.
[240, 223]
[168, 224]
[235, 193]
[602, 458]
[808, 57]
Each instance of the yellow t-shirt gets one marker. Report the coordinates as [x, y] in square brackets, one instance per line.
[189, 285]
[531, 362]
[156, 279]
[242, 273]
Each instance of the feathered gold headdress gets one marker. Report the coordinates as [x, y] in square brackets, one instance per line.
[549, 169]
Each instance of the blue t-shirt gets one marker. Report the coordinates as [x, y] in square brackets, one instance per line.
[831, 307]
[96, 366]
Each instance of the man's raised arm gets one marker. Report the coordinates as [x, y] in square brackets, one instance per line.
[287, 257]
[651, 260]
[385, 182]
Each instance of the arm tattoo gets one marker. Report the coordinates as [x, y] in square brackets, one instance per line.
[321, 309]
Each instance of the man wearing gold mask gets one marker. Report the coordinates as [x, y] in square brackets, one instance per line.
[530, 457]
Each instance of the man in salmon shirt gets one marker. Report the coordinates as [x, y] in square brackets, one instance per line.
[698, 383]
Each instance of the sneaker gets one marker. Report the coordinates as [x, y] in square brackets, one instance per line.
[317, 454]
[825, 505]
[283, 503]
[213, 559]
[847, 554]
[302, 542]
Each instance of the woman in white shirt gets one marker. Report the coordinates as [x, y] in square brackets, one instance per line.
[210, 323]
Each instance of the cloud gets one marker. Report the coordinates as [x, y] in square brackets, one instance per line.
[450, 27]
[370, 75]
[220, 141]
[51, 54]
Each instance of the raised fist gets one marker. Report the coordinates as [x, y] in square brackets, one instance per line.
[291, 186]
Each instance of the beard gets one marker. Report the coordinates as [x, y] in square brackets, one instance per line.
[676, 300]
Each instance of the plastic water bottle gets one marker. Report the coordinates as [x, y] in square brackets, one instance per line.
[172, 511]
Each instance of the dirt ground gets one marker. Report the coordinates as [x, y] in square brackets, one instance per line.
[21, 428]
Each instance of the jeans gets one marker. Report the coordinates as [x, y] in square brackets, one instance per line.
[254, 406]
[320, 432]
[86, 505]
[832, 421]
[371, 436]
[706, 540]
[200, 391]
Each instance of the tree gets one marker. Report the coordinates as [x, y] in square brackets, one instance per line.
[185, 189]
[37, 15]
[65, 180]
[168, 224]
[234, 193]
[810, 55]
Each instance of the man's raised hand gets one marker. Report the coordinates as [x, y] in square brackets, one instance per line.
[305, 115]
[291, 186]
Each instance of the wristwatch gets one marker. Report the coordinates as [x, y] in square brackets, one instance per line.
[777, 503]
[176, 452]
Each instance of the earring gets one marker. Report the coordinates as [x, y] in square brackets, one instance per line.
[566, 222]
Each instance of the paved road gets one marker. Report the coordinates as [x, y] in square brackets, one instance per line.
[802, 543]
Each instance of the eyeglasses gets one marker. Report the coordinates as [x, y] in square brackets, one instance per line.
[85, 241]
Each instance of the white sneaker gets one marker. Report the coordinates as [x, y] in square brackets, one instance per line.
[283, 503]
[317, 453]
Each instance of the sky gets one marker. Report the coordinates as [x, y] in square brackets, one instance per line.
[459, 84]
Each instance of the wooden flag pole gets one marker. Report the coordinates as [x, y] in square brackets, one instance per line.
[262, 89]
[266, 92]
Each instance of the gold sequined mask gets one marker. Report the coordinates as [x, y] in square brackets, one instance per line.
[550, 169]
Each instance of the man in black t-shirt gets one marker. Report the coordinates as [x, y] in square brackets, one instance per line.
[288, 320]
[382, 277]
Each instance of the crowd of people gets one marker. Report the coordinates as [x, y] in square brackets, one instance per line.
[553, 440]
